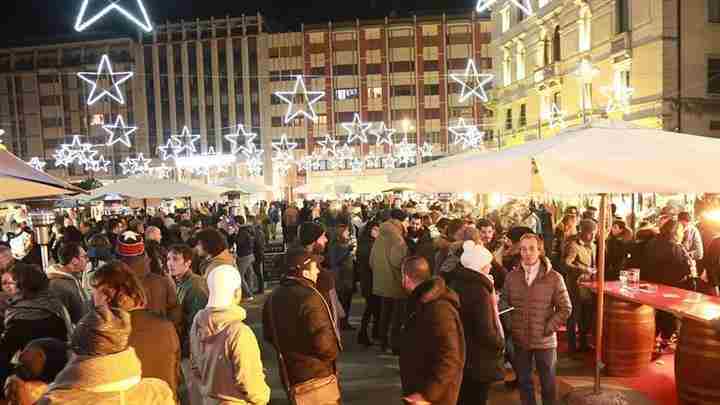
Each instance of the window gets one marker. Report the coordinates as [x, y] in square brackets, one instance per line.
[346, 94]
[622, 79]
[374, 68]
[407, 90]
[715, 125]
[557, 55]
[523, 116]
[431, 66]
[276, 121]
[557, 100]
[508, 119]
[345, 70]
[374, 92]
[586, 96]
[714, 76]
[584, 41]
[520, 61]
[622, 16]
[431, 89]
[505, 19]
[713, 8]
[507, 68]
[97, 119]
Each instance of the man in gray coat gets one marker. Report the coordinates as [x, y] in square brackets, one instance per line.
[542, 305]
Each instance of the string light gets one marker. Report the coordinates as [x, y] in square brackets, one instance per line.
[142, 20]
[170, 150]
[473, 83]
[254, 166]
[37, 164]
[356, 130]
[522, 5]
[384, 135]
[249, 137]
[469, 136]
[309, 98]
[105, 70]
[139, 165]
[185, 141]
[2, 132]
[119, 126]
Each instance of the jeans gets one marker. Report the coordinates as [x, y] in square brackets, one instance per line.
[258, 268]
[473, 392]
[371, 313]
[580, 321]
[190, 395]
[545, 362]
[392, 316]
[244, 267]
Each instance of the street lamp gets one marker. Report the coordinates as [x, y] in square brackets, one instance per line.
[585, 73]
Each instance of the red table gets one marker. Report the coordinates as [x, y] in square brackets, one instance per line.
[629, 336]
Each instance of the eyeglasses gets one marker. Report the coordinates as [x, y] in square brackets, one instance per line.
[9, 283]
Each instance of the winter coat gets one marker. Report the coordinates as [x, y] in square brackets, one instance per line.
[108, 380]
[43, 316]
[616, 257]
[156, 344]
[432, 349]
[306, 333]
[711, 261]
[192, 293]
[245, 241]
[364, 271]
[667, 263]
[484, 341]
[211, 263]
[68, 289]
[226, 358]
[540, 309]
[160, 290]
[341, 263]
[386, 259]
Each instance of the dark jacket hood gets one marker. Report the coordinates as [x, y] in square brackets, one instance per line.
[464, 276]
[432, 290]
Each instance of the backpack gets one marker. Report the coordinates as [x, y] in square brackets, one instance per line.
[274, 216]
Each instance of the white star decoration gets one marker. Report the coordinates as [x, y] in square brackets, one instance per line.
[329, 145]
[619, 98]
[170, 150]
[309, 98]
[523, 5]
[139, 165]
[68, 154]
[186, 142]
[105, 70]
[390, 161]
[284, 150]
[97, 165]
[141, 18]
[473, 83]
[406, 153]
[37, 164]
[384, 135]
[356, 130]
[254, 166]
[124, 135]
[469, 136]
[426, 150]
[234, 139]
[2, 132]
[162, 171]
[555, 117]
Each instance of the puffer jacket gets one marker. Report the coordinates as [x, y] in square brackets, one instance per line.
[68, 289]
[210, 264]
[432, 352]
[306, 333]
[160, 290]
[150, 332]
[540, 309]
[386, 259]
[108, 380]
[225, 357]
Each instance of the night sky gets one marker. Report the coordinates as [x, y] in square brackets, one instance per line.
[36, 21]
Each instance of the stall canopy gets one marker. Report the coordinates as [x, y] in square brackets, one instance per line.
[350, 185]
[151, 188]
[21, 181]
[600, 157]
[243, 186]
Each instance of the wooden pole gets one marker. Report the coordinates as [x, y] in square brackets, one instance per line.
[600, 290]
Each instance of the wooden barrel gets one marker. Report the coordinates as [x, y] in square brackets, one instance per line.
[628, 337]
[697, 364]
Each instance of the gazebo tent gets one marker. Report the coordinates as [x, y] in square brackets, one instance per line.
[151, 188]
[22, 181]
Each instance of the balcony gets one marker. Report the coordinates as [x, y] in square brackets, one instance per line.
[548, 76]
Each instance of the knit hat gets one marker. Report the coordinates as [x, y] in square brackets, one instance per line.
[223, 282]
[130, 244]
[475, 256]
[310, 232]
[101, 332]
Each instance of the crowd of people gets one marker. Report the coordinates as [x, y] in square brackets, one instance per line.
[146, 309]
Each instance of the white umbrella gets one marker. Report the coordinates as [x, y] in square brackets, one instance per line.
[245, 186]
[151, 188]
[21, 181]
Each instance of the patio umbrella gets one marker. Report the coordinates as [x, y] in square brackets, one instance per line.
[143, 188]
[242, 185]
[21, 181]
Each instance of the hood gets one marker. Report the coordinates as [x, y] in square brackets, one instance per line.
[210, 322]
[225, 257]
[37, 308]
[112, 373]
[435, 289]
[465, 276]
[55, 272]
[140, 265]
[390, 227]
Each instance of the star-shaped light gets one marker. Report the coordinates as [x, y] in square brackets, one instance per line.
[473, 83]
[384, 135]
[555, 117]
[346, 152]
[138, 15]
[99, 164]
[162, 171]
[469, 136]
[619, 98]
[76, 151]
[284, 150]
[2, 132]
[405, 152]
[105, 71]
[308, 99]
[329, 145]
[139, 165]
[523, 5]
[37, 164]
[426, 150]
[119, 132]
[254, 166]
[63, 157]
[356, 130]
[233, 138]
[186, 141]
[356, 165]
[170, 150]
[283, 168]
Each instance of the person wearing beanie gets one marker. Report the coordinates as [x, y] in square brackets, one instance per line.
[160, 290]
[104, 368]
[484, 336]
[298, 322]
[225, 355]
[386, 258]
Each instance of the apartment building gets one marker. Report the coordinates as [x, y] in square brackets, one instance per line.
[43, 103]
[579, 54]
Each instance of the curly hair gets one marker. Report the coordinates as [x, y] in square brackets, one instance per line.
[122, 287]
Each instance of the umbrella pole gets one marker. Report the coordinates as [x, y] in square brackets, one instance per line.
[600, 291]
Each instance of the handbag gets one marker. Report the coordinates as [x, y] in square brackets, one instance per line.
[316, 391]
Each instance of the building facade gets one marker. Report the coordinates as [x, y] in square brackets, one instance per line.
[579, 54]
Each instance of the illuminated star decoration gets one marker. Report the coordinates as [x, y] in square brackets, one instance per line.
[356, 130]
[185, 142]
[329, 145]
[619, 98]
[170, 150]
[426, 150]
[162, 171]
[473, 83]
[233, 138]
[139, 165]
[142, 20]
[254, 166]
[469, 136]
[2, 132]
[555, 117]
[308, 99]
[76, 151]
[405, 152]
[523, 5]
[119, 132]
[105, 71]
[384, 135]
[37, 164]
[96, 165]
[283, 157]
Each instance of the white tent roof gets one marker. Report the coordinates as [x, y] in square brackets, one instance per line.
[603, 156]
[19, 180]
[366, 184]
[245, 186]
[147, 188]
